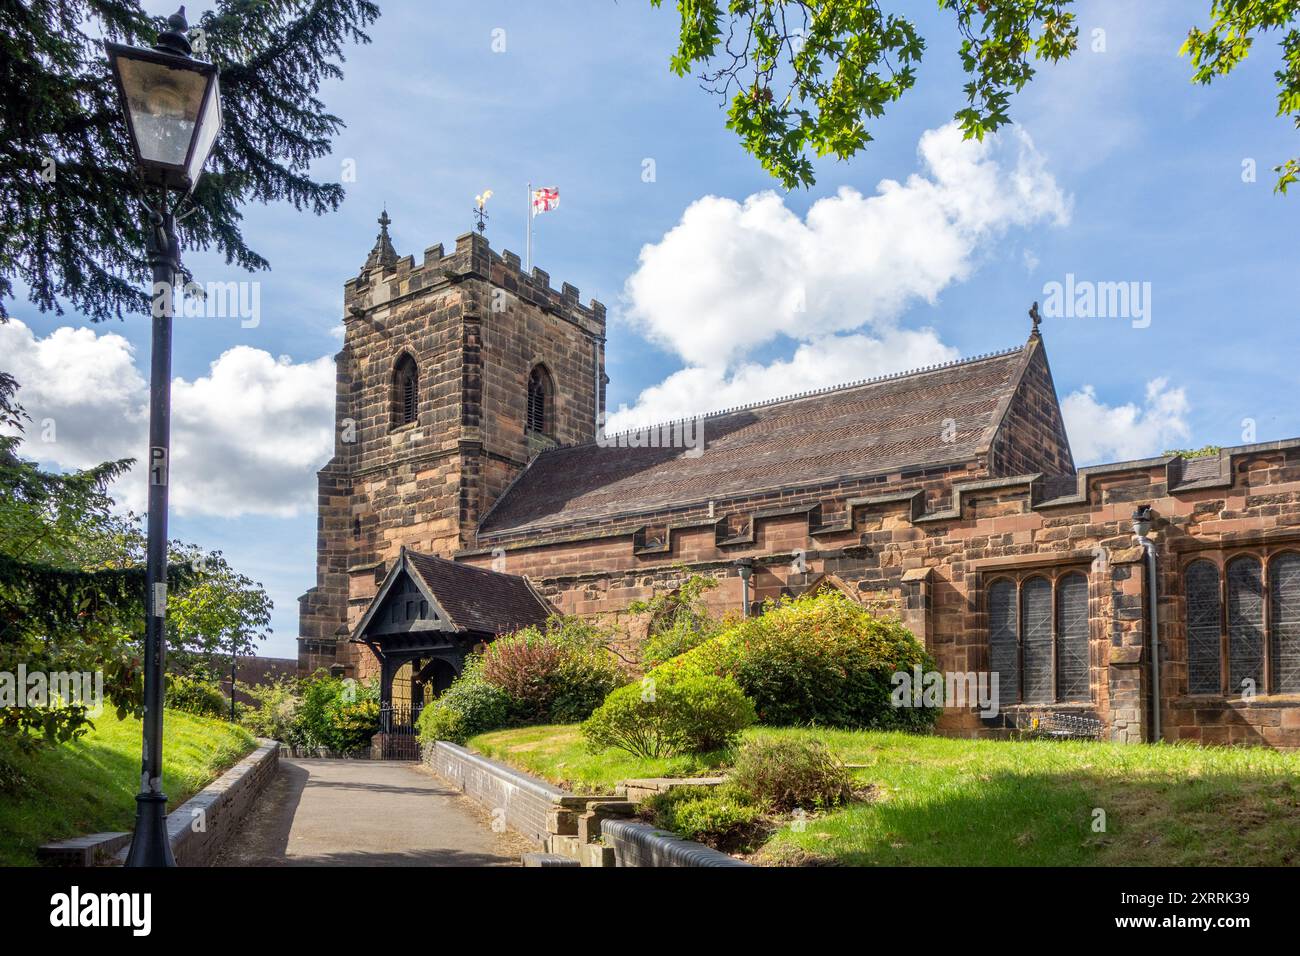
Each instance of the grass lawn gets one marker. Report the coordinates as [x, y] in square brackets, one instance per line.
[943, 802]
[89, 785]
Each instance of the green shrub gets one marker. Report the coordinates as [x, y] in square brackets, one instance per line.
[353, 725]
[679, 621]
[275, 712]
[196, 696]
[782, 774]
[557, 673]
[716, 815]
[336, 713]
[670, 714]
[469, 706]
[816, 659]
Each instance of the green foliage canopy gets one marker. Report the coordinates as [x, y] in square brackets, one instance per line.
[71, 227]
[804, 77]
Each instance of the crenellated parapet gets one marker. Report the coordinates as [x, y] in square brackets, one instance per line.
[387, 279]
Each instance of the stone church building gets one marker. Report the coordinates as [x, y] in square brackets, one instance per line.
[470, 493]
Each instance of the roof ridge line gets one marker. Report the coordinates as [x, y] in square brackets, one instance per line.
[762, 403]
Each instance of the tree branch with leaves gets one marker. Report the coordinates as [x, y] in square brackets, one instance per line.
[804, 78]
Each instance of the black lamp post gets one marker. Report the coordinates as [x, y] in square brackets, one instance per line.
[173, 113]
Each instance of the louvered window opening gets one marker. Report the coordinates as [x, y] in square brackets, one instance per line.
[1038, 639]
[537, 402]
[1236, 625]
[407, 390]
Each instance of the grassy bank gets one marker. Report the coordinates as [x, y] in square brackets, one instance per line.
[942, 802]
[89, 785]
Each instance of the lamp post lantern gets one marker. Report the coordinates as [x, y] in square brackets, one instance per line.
[745, 568]
[173, 115]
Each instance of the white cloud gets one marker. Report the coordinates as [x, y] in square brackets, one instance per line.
[246, 438]
[1105, 433]
[732, 277]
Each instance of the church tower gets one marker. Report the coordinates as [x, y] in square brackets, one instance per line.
[452, 375]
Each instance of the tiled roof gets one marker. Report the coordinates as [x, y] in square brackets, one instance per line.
[477, 599]
[881, 425]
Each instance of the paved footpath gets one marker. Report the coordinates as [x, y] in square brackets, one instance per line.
[366, 813]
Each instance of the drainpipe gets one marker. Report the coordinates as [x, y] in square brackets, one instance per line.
[745, 566]
[1141, 528]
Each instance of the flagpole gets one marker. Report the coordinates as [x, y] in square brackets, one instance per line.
[528, 244]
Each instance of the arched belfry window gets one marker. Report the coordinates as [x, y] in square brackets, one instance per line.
[406, 390]
[541, 402]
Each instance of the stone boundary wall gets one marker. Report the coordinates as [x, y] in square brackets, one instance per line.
[221, 806]
[640, 844]
[526, 802]
[569, 827]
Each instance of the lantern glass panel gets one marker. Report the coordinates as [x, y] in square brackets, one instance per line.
[165, 104]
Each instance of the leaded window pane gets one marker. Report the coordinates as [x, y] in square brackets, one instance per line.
[1004, 654]
[1072, 639]
[1204, 628]
[1284, 622]
[1036, 640]
[1245, 625]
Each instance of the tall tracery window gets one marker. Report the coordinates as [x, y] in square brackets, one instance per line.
[1245, 623]
[1038, 639]
[1072, 638]
[540, 400]
[1284, 621]
[1204, 628]
[1234, 620]
[1004, 646]
[406, 390]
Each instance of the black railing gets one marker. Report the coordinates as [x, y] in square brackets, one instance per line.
[399, 718]
[397, 725]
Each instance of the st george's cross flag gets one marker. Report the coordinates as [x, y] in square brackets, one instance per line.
[545, 199]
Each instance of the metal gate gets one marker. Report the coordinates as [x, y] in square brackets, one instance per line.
[397, 732]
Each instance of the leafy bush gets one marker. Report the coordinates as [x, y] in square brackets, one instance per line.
[784, 774]
[275, 713]
[558, 673]
[195, 696]
[339, 714]
[670, 714]
[679, 620]
[718, 815]
[816, 659]
[469, 706]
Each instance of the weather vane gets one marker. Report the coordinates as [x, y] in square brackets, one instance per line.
[479, 213]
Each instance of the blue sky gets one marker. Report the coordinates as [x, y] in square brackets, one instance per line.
[1133, 174]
